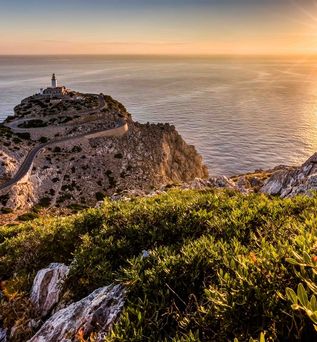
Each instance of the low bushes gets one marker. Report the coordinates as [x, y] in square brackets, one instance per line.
[35, 123]
[216, 265]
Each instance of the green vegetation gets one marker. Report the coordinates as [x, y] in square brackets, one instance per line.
[34, 123]
[305, 268]
[28, 216]
[99, 196]
[76, 207]
[43, 140]
[220, 265]
[6, 210]
[5, 132]
[118, 155]
[76, 149]
[24, 136]
[4, 199]
[57, 149]
[111, 179]
[44, 201]
[16, 140]
[114, 105]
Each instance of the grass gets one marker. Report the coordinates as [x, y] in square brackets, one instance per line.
[218, 265]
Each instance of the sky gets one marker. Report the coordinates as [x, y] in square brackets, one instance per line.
[172, 27]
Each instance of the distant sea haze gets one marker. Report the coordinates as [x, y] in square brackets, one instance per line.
[241, 114]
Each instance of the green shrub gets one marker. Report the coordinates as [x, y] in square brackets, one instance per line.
[43, 140]
[44, 201]
[6, 210]
[34, 123]
[304, 299]
[99, 196]
[76, 149]
[4, 199]
[76, 207]
[16, 140]
[28, 216]
[118, 155]
[216, 268]
[24, 136]
[33, 245]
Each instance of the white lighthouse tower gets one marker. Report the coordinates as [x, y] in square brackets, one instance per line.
[54, 81]
[54, 90]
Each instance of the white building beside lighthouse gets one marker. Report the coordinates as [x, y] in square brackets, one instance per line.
[54, 90]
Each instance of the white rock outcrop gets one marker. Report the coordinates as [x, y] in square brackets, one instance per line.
[293, 181]
[94, 313]
[47, 287]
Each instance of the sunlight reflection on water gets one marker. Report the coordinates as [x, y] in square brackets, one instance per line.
[241, 114]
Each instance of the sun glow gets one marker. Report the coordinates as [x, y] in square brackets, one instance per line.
[200, 27]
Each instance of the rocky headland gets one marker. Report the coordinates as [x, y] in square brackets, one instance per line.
[89, 148]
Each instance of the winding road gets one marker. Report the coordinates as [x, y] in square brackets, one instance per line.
[120, 129]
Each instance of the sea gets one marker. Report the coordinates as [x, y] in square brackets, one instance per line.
[241, 113]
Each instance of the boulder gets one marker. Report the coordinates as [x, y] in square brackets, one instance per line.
[47, 287]
[221, 182]
[274, 185]
[95, 313]
[243, 184]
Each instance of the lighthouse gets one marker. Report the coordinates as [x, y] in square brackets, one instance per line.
[54, 90]
[54, 82]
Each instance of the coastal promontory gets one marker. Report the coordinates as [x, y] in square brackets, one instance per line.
[64, 148]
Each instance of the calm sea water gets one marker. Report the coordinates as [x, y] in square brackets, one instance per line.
[240, 113]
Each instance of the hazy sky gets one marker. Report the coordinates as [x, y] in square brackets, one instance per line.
[158, 26]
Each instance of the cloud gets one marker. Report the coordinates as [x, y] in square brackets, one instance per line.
[115, 43]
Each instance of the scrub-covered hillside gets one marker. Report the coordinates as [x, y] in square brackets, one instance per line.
[195, 265]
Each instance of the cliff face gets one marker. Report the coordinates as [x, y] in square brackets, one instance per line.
[160, 155]
[84, 170]
[180, 162]
[146, 157]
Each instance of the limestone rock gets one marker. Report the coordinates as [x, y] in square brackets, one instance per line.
[222, 182]
[94, 313]
[293, 180]
[47, 287]
[243, 184]
[212, 182]
[196, 184]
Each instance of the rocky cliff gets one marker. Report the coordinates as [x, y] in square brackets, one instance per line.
[85, 169]
[291, 181]
[83, 172]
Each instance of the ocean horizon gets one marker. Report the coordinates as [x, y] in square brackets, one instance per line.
[241, 113]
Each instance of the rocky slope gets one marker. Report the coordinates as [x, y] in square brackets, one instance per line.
[283, 181]
[85, 170]
[291, 181]
[147, 156]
